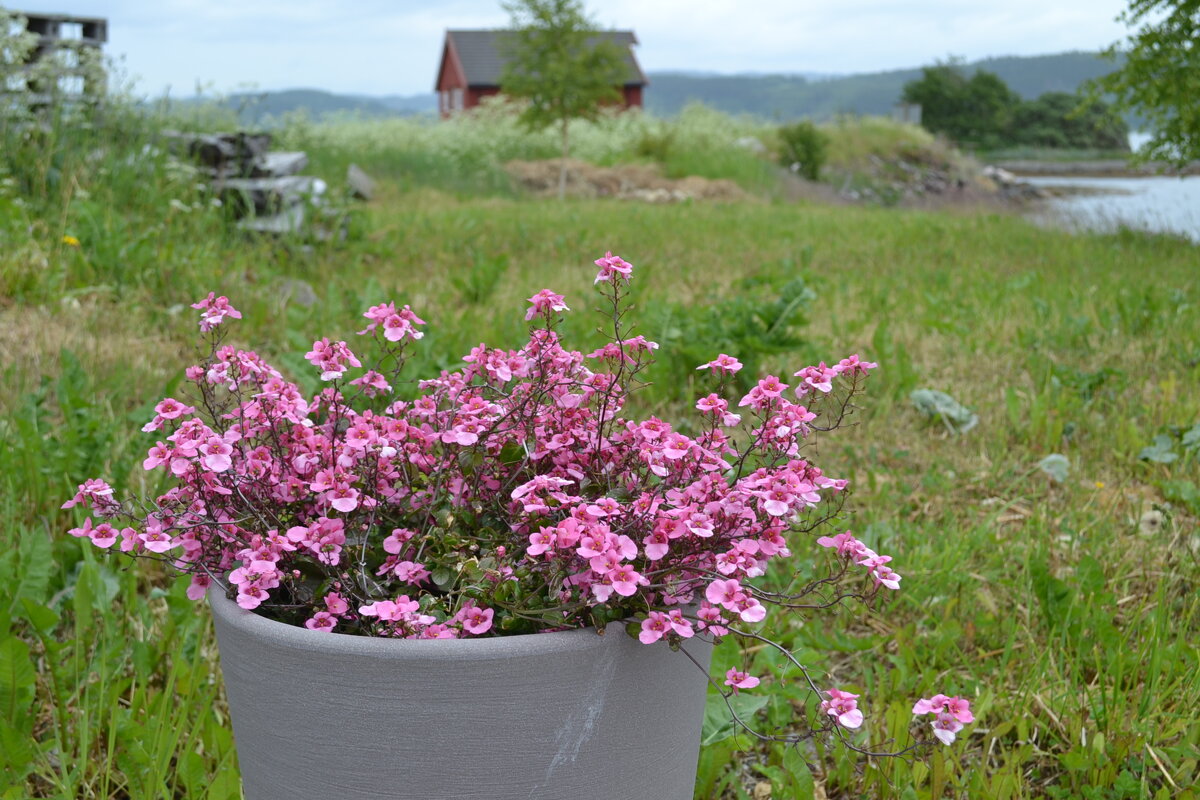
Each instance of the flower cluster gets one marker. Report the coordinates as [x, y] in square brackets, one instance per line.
[951, 714]
[845, 545]
[512, 495]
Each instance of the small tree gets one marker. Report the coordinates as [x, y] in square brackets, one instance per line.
[1160, 78]
[558, 62]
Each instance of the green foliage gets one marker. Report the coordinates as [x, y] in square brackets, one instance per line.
[759, 316]
[983, 111]
[804, 148]
[1160, 77]
[1061, 120]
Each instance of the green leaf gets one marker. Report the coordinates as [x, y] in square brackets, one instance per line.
[1056, 466]
[800, 784]
[43, 619]
[16, 752]
[719, 723]
[17, 678]
[442, 577]
[1075, 759]
[36, 566]
[84, 600]
[1183, 492]
[1191, 439]
[940, 406]
[1160, 452]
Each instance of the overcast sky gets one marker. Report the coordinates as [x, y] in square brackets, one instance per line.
[379, 47]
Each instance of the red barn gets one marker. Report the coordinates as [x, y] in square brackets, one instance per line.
[472, 62]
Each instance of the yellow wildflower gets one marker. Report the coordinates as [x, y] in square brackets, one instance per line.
[70, 241]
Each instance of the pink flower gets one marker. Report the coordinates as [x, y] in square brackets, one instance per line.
[820, 378]
[712, 405]
[737, 679]
[625, 580]
[960, 707]
[156, 456]
[655, 626]
[722, 365]
[541, 541]
[932, 705]
[198, 587]
[343, 498]
[336, 604]
[92, 492]
[321, 621]
[842, 706]
[156, 541]
[750, 610]
[170, 408]
[477, 621]
[655, 545]
[725, 593]
[887, 577]
[215, 309]
[372, 383]
[397, 324]
[545, 302]
[332, 358]
[410, 572]
[680, 624]
[852, 365]
[216, 455]
[945, 727]
[771, 386]
[612, 268]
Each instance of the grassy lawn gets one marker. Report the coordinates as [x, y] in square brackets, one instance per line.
[1067, 610]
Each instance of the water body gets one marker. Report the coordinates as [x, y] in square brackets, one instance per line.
[1159, 204]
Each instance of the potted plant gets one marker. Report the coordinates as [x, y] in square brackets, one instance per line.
[493, 582]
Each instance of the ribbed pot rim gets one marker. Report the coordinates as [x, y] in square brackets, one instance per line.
[487, 648]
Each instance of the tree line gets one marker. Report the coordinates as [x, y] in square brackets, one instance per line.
[982, 111]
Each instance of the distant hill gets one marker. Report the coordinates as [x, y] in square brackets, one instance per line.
[253, 107]
[819, 96]
[787, 97]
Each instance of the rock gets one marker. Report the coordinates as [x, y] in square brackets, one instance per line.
[278, 165]
[361, 184]
[290, 220]
[999, 175]
[297, 291]
[261, 196]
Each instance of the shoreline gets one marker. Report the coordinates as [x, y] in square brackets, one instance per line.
[1100, 168]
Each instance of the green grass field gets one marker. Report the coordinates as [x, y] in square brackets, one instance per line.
[1067, 610]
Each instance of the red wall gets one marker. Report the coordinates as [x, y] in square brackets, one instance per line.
[477, 93]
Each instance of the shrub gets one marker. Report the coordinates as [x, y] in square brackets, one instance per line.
[803, 148]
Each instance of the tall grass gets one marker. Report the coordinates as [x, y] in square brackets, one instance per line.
[1069, 620]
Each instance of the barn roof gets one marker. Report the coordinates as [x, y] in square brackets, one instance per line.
[481, 54]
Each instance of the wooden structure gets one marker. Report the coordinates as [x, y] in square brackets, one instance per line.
[473, 61]
[66, 39]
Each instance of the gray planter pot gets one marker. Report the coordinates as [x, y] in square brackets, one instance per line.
[556, 716]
